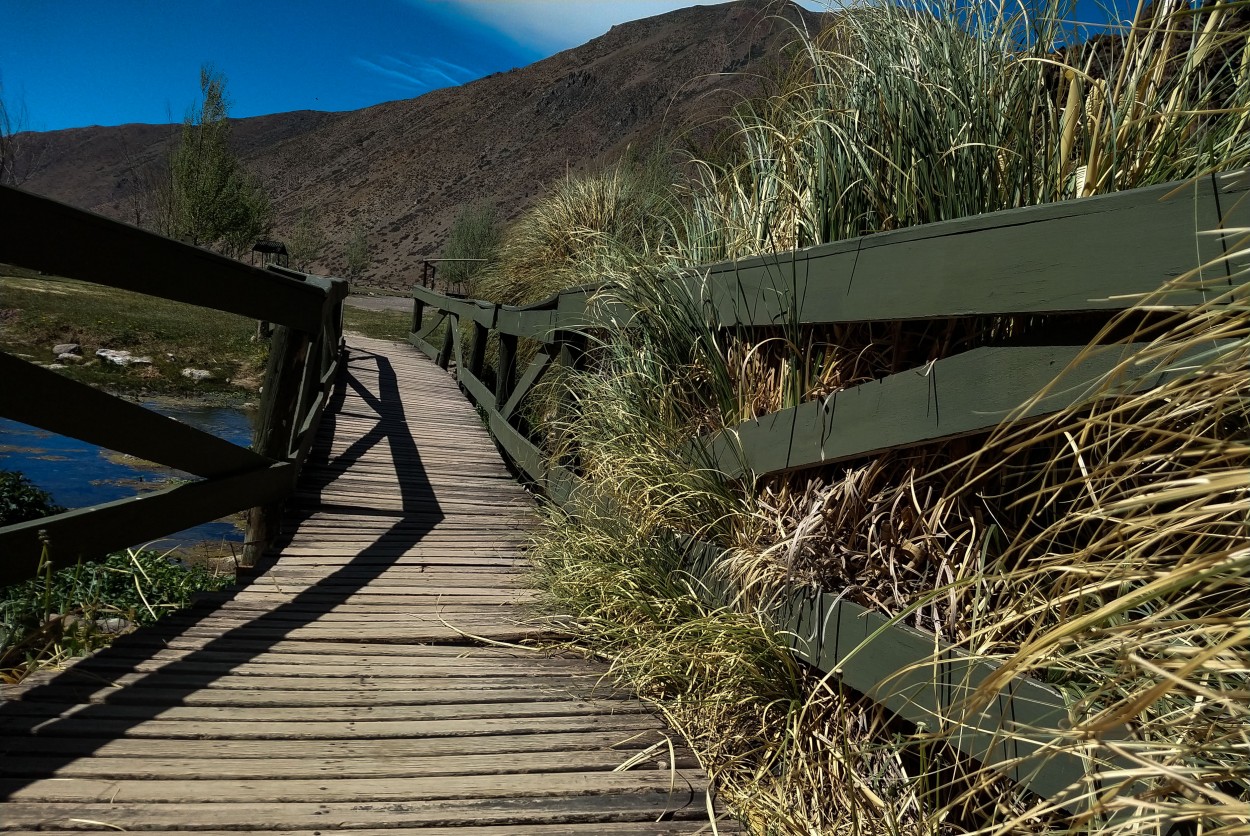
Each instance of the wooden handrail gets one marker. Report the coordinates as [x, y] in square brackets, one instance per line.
[42, 234]
[45, 235]
[1096, 254]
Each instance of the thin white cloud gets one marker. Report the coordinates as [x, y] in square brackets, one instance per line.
[417, 74]
[468, 75]
[553, 25]
[394, 75]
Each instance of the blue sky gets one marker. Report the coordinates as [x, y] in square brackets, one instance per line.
[71, 63]
[106, 62]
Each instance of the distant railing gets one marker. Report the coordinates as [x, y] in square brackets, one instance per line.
[1090, 255]
[59, 240]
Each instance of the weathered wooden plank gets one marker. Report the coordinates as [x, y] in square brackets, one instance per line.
[369, 653]
[422, 629]
[527, 322]
[425, 347]
[970, 392]
[268, 790]
[599, 828]
[223, 768]
[92, 532]
[448, 692]
[224, 665]
[179, 683]
[34, 395]
[533, 374]
[197, 729]
[624, 740]
[520, 449]
[314, 815]
[1090, 254]
[43, 234]
[524, 707]
[474, 310]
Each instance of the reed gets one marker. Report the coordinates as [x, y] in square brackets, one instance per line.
[1102, 550]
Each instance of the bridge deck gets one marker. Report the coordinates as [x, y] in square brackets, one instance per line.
[351, 683]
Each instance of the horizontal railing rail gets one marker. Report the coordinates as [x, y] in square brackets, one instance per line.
[59, 240]
[1100, 254]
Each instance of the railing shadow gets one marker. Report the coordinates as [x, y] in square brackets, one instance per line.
[38, 714]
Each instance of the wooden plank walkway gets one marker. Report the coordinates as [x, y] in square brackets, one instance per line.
[352, 684]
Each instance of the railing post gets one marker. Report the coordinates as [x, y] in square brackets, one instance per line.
[449, 335]
[572, 345]
[505, 379]
[418, 313]
[477, 353]
[288, 352]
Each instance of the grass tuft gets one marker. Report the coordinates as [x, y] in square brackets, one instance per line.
[1103, 550]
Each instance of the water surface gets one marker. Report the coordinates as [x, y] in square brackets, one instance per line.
[78, 474]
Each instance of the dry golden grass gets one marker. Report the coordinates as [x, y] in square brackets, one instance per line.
[1103, 550]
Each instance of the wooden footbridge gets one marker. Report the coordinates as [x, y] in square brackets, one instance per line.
[374, 672]
[366, 676]
[370, 674]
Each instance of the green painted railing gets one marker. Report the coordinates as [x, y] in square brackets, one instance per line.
[1098, 254]
[59, 240]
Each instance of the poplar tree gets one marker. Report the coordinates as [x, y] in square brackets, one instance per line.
[210, 199]
[358, 256]
[307, 241]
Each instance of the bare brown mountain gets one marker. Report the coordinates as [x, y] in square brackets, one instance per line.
[403, 169]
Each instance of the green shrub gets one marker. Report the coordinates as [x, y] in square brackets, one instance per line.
[21, 500]
[65, 613]
[1117, 569]
[472, 243]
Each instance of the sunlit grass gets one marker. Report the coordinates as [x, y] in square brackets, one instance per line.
[1103, 550]
[63, 614]
[38, 312]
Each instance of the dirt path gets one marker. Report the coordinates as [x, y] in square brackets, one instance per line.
[380, 303]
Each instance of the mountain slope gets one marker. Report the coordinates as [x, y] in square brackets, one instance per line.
[404, 168]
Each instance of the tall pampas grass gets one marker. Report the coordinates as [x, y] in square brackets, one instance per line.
[1103, 550]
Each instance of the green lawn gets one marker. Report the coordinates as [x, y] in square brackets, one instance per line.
[382, 325]
[37, 312]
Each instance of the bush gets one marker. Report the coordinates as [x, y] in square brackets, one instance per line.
[1102, 550]
[21, 500]
[474, 237]
[584, 230]
[56, 615]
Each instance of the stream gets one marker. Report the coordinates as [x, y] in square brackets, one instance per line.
[78, 474]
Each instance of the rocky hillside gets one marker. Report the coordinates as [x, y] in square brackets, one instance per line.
[403, 169]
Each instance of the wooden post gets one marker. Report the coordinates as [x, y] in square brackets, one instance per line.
[288, 353]
[506, 374]
[309, 389]
[418, 313]
[449, 335]
[572, 346]
[477, 353]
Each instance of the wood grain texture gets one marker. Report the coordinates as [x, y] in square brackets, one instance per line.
[346, 684]
[1076, 255]
[967, 393]
[43, 234]
[91, 533]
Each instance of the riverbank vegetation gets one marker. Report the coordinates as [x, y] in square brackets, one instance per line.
[1103, 550]
[67, 612]
[39, 312]
[380, 325]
